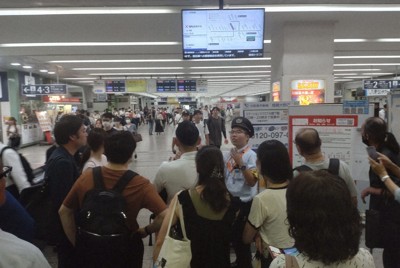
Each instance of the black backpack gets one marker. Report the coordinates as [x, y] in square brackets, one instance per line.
[25, 164]
[103, 236]
[333, 168]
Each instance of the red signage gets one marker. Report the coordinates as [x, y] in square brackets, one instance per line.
[60, 99]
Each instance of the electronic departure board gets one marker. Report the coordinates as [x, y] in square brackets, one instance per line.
[166, 85]
[113, 86]
[186, 85]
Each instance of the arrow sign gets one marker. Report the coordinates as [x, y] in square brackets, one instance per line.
[44, 89]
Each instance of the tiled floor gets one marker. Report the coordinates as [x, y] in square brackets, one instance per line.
[152, 151]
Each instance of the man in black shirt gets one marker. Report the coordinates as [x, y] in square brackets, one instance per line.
[62, 171]
[216, 126]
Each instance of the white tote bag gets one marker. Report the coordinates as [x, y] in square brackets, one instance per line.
[175, 253]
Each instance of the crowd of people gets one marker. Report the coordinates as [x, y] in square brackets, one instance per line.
[310, 211]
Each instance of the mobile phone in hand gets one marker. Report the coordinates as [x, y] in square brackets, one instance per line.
[371, 150]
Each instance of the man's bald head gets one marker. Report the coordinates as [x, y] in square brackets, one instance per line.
[308, 141]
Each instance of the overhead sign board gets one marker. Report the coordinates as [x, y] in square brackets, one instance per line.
[44, 89]
[381, 84]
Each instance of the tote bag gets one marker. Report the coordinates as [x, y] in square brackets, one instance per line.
[175, 253]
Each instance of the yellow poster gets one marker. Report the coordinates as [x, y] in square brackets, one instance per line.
[132, 86]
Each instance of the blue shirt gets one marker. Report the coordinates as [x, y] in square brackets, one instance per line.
[234, 179]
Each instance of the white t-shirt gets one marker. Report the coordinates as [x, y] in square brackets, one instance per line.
[91, 162]
[177, 175]
[15, 252]
[205, 113]
[362, 259]
[203, 131]
[268, 215]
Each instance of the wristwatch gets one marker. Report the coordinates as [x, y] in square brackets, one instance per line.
[243, 168]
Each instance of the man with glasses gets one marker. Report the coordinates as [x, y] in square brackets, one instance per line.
[10, 245]
[240, 162]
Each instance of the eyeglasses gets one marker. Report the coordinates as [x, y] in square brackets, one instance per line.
[236, 132]
[6, 171]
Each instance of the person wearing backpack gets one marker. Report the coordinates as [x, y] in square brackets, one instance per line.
[107, 201]
[61, 173]
[18, 179]
[308, 144]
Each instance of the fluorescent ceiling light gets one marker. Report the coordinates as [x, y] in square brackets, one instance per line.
[244, 79]
[377, 73]
[358, 77]
[267, 41]
[84, 11]
[77, 78]
[237, 76]
[43, 71]
[368, 57]
[51, 72]
[27, 67]
[366, 64]
[85, 81]
[140, 78]
[87, 44]
[153, 60]
[15, 64]
[362, 40]
[130, 10]
[355, 70]
[129, 68]
[234, 72]
[345, 74]
[132, 74]
[114, 61]
[230, 67]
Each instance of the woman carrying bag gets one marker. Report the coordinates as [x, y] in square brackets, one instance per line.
[14, 138]
[208, 215]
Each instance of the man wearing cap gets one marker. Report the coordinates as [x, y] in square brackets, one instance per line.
[202, 127]
[240, 162]
[216, 126]
[180, 174]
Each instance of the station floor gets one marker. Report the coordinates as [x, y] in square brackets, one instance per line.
[152, 151]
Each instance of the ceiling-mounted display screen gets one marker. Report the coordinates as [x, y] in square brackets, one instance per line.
[222, 33]
[186, 85]
[166, 85]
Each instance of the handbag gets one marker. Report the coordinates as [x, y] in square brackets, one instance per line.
[137, 137]
[175, 253]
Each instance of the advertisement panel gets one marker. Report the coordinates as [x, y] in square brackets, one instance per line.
[308, 91]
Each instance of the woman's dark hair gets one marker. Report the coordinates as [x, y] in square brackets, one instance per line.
[274, 161]
[322, 218]
[119, 147]
[210, 166]
[376, 130]
[95, 141]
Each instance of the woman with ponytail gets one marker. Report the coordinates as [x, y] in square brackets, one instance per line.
[208, 213]
[375, 133]
[267, 217]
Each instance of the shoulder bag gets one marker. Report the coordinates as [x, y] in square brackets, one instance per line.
[175, 253]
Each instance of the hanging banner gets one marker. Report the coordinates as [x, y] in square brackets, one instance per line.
[308, 91]
[99, 87]
[276, 91]
[44, 121]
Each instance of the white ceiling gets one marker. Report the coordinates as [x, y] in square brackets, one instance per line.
[230, 81]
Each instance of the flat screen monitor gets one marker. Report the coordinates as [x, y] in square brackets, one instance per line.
[186, 85]
[166, 86]
[222, 33]
[115, 86]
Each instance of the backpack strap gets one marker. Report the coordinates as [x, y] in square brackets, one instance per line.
[124, 180]
[334, 164]
[2, 150]
[98, 178]
[302, 168]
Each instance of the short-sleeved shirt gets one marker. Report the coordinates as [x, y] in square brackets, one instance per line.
[92, 162]
[344, 173]
[203, 131]
[139, 193]
[268, 216]
[234, 179]
[362, 259]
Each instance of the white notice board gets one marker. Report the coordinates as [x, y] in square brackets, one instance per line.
[340, 135]
[394, 113]
[269, 119]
